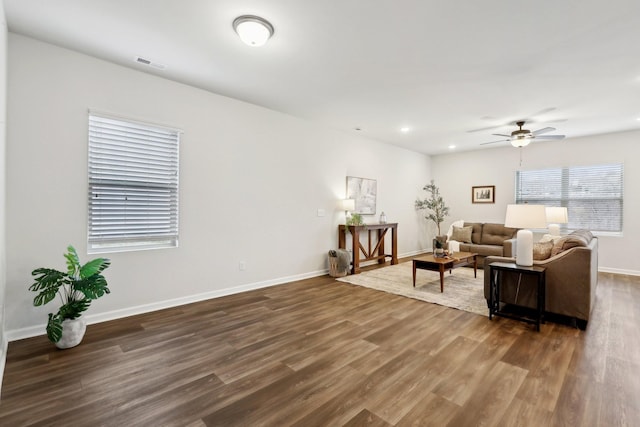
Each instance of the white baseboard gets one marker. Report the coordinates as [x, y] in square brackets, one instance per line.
[34, 331]
[619, 271]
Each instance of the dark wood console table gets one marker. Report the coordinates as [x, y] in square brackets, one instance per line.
[370, 252]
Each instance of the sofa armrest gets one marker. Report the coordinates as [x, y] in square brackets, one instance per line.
[509, 248]
[453, 245]
[571, 280]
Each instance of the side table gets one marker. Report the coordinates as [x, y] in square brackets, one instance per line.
[495, 270]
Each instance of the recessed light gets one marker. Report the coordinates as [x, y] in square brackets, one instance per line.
[405, 129]
[452, 147]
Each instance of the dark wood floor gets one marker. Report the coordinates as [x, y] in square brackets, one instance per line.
[321, 352]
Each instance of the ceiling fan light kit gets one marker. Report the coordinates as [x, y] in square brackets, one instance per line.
[520, 142]
[522, 137]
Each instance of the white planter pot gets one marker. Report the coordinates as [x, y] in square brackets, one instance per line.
[72, 332]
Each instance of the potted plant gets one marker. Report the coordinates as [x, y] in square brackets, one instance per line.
[436, 206]
[77, 287]
[355, 219]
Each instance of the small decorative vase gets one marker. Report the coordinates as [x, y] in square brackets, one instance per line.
[72, 332]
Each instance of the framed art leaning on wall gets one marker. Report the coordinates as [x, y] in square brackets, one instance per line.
[364, 192]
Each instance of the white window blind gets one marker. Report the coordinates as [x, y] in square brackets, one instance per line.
[133, 185]
[593, 195]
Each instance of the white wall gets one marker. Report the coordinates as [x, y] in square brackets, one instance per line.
[457, 173]
[3, 264]
[251, 181]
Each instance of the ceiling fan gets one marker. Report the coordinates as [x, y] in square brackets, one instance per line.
[522, 137]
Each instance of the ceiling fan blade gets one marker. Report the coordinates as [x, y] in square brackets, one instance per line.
[501, 134]
[550, 137]
[483, 129]
[494, 142]
[543, 130]
[543, 111]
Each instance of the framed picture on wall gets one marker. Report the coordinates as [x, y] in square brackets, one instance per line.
[483, 194]
[364, 192]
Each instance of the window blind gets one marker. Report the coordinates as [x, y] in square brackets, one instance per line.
[593, 195]
[133, 185]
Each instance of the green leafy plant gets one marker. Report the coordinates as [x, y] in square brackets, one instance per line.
[435, 204]
[77, 287]
[356, 219]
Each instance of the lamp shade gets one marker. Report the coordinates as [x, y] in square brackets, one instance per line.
[556, 215]
[526, 216]
[349, 204]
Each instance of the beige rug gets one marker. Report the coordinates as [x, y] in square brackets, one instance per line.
[461, 289]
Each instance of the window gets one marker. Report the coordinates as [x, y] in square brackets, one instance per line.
[593, 195]
[133, 185]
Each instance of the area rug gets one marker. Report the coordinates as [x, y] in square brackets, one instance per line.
[461, 289]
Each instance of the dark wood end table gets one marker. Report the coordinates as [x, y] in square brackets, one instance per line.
[495, 270]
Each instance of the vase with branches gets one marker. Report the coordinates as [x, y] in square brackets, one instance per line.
[434, 204]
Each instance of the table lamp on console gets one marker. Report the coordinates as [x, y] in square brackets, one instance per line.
[349, 205]
[525, 217]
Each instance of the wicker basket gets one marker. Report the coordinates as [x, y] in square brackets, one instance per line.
[333, 268]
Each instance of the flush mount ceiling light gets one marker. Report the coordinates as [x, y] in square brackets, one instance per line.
[253, 30]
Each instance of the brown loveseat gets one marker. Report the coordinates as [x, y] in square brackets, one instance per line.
[485, 240]
[571, 278]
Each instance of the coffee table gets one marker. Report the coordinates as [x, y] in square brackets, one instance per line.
[455, 260]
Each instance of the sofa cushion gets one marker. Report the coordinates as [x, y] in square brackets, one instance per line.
[496, 234]
[462, 234]
[482, 250]
[542, 250]
[476, 234]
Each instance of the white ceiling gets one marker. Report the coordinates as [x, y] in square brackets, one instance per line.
[441, 68]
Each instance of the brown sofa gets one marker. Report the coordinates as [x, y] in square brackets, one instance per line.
[488, 240]
[571, 279]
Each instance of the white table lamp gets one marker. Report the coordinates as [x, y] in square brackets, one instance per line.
[348, 205]
[525, 216]
[556, 215]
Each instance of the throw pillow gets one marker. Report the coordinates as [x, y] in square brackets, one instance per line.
[462, 234]
[542, 250]
[567, 242]
[548, 238]
[584, 234]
